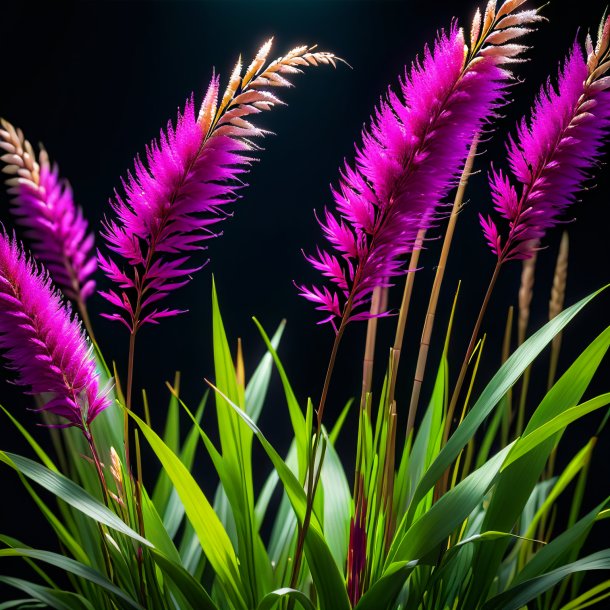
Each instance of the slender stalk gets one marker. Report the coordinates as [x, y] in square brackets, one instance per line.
[100, 473]
[98, 464]
[402, 315]
[471, 345]
[312, 476]
[556, 302]
[84, 314]
[130, 367]
[525, 298]
[367, 375]
[369, 350]
[424, 345]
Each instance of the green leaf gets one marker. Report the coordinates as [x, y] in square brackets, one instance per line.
[517, 481]
[337, 502]
[556, 552]
[256, 389]
[59, 600]
[190, 588]
[504, 379]
[530, 441]
[22, 603]
[42, 455]
[70, 493]
[73, 567]
[519, 595]
[338, 425]
[236, 472]
[327, 578]
[590, 598]
[435, 525]
[271, 599]
[299, 426]
[383, 593]
[212, 536]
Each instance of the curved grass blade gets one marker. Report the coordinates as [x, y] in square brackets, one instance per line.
[329, 582]
[383, 592]
[73, 567]
[188, 586]
[210, 532]
[519, 595]
[517, 480]
[502, 381]
[70, 493]
[434, 526]
[531, 441]
[271, 599]
[59, 600]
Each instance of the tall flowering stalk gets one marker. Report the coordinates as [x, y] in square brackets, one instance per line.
[174, 200]
[45, 345]
[43, 204]
[554, 153]
[411, 156]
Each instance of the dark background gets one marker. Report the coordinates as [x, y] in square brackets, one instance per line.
[96, 81]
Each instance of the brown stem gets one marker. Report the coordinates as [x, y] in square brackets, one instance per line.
[84, 314]
[98, 464]
[402, 315]
[442, 484]
[369, 350]
[424, 345]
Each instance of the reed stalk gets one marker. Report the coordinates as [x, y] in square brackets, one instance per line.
[424, 345]
[558, 294]
[526, 292]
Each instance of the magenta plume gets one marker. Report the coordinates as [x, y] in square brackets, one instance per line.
[554, 153]
[43, 205]
[176, 197]
[411, 156]
[43, 343]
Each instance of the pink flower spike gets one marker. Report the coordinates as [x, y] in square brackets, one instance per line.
[43, 343]
[555, 150]
[412, 152]
[185, 184]
[43, 205]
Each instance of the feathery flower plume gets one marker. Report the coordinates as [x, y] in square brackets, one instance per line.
[42, 203]
[175, 198]
[554, 152]
[43, 343]
[411, 156]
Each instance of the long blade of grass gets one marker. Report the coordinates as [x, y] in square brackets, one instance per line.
[70, 493]
[519, 595]
[327, 578]
[74, 567]
[504, 379]
[210, 532]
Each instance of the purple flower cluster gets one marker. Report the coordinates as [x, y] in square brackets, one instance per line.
[43, 343]
[553, 153]
[176, 197]
[170, 207]
[43, 204]
[410, 158]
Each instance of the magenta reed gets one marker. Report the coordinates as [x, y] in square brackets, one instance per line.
[191, 175]
[43, 343]
[43, 205]
[554, 152]
[410, 157]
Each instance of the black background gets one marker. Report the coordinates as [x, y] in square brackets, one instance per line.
[96, 81]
